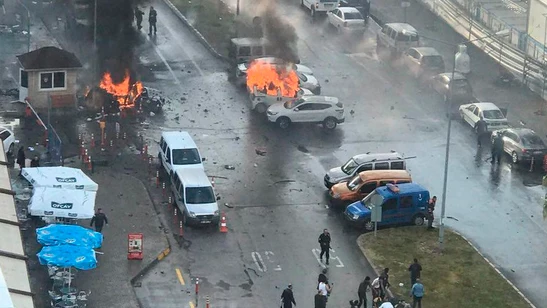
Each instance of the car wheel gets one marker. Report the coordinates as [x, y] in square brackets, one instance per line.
[418, 220]
[369, 225]
[261, 108]
[514, 157]
[10, 150]
[329, 123]
[283, 122]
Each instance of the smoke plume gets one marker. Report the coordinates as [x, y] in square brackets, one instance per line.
[280, 34]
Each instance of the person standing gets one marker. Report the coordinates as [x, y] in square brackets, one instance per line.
[138, 15]
[362, 292]
[152, 19]
[430, 210]
[481, 127]
[324, 288]
[384, 282]
[415, 270]
[287, 297]
[497, 148]
[324, 242]
[21, 158]
[320, 300]
[417, 293]
[99, 219]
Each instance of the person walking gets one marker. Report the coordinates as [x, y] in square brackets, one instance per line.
[287, 298]
[21, 158]
[415, 270]
[152, 19]
[384, 282]
[138, 16]
[362, 292]
[324, 242]
[99, 219]
[320, 300]
[324, 288]
[430, 210]
[417, 293]
[497, 148]
[481, 127]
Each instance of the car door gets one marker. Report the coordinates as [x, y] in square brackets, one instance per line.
[511, 142]
[303, 113]
[182, 200]
[364, 167]
[389, 211]
[168, 164]
[333, 17]
[405, 210]
[474, 117]
[366, 189]
[468, 113]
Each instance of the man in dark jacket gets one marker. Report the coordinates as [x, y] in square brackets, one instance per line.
[138, 15]
[99, 219]
[384, 282]
[324, 242]
[482, 130]
[497, 148]
[287, 297]
[21, 159]
[320, 300]
[415, 269]
[152, 19]
[362, 292]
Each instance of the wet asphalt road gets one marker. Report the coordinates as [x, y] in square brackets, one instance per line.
[279, 201]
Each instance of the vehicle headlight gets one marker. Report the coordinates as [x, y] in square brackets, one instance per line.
[217, 212]
[272, 112]
[192, 214]
[355, 217]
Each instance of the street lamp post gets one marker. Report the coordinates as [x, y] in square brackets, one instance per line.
[501, 33]
[28, 24]
[95, 73]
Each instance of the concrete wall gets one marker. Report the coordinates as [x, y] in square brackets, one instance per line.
[536, 22]
[39, 98]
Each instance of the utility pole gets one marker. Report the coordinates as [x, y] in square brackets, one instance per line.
[28, 24]
[96, 58]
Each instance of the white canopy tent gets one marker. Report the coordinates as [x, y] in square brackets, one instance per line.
[59, 177]
[54, 202]
[5, 297]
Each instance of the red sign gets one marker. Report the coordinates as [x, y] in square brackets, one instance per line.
[135, 246]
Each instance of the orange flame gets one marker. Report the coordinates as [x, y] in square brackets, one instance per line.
[124, 92]
[268, 78]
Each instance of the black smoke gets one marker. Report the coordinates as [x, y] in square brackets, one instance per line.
[117, 38]
[280, 34]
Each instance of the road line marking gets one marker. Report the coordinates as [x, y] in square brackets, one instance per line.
[177, 81]
[257, 258]
[179, 275]
[316, 252]
[191, 305]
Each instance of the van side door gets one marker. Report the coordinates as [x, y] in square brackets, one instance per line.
[163, 147]
[406, 208]
[168, 164]
[389, 211]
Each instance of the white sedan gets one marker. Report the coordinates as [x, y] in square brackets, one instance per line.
[8, 139]
[309, 82]
[347, 19]
[308, 109]
[493, 116]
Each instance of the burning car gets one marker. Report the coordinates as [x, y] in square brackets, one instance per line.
[241, 71]
[260, 100]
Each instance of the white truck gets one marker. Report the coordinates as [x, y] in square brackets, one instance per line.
[320, 6]
[260, 101]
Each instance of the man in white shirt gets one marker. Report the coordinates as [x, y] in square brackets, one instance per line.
[324, 288]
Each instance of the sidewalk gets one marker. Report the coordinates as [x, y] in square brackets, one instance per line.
[523, 105]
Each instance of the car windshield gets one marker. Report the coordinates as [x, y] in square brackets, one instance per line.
[199, 195]
[407, 36]
[433, 61]
[494, 114]
[186, 157]
[352, 15]
[302, 77]
[532, 140]
[349, 166]
[354, 182]
[293, 103]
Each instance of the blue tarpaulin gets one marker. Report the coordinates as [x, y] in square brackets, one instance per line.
[82, 258]
[55, 234]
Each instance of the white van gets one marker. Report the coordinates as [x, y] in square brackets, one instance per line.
[320, 6]
[179, 151]
[194, 196]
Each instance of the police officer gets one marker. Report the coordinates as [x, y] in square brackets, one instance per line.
[482, 128]
[497, 148]
[152, 19]
[138, 15]
[324, 242]
[430, 210]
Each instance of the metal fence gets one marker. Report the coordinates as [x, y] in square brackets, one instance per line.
[54, 147]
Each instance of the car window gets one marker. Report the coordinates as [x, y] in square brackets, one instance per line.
[471, 108]
[168, 155]
[335, 12]
[302, 77]
[186, 157]
[368, 188]
[4, 135]
[405, 37]
[532, 140]
[381, 166]
[476, 112]
[244, 51]
[164, 145]
[365, 167]
[406, 202]
[256, 50]
[340, 14]
[389, 204]
[412, 53]
[181, 191]
[432, 61]
[293, 103]
[199, 195]
[356, 181]
[353, 15]
[306, 107]
[384, 183]
[495, 114]
[397, 165]
[321, 106]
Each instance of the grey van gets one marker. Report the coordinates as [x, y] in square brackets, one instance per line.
[363, 162]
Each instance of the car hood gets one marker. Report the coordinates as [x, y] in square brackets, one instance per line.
[186, 167]
[357, 208]
[304, 69]
[277, 107]
[336, 174]
[312, 81]
[340, 188]
[202, 209]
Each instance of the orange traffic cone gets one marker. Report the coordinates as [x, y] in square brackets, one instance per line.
[223, 226]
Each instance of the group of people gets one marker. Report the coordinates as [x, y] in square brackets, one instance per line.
[152, 19]
[497, 143]
[21, 159]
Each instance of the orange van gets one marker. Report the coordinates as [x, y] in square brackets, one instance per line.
[366, 182]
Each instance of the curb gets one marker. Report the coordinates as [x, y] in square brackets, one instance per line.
[496, 269]
[374, 267]
[200, 37]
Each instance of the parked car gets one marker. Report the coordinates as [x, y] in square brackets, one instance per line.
[308, 109]
[493, 116]
[309, 82]
[179, 151]
[319, 7]
[363, 162]
[461, 89]
[241, 71]
[260, 101]
[358, 4]
[400, 204]
[347, 19]
[522, 144]
[423, 62]
[8, 139]
[396, 38]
